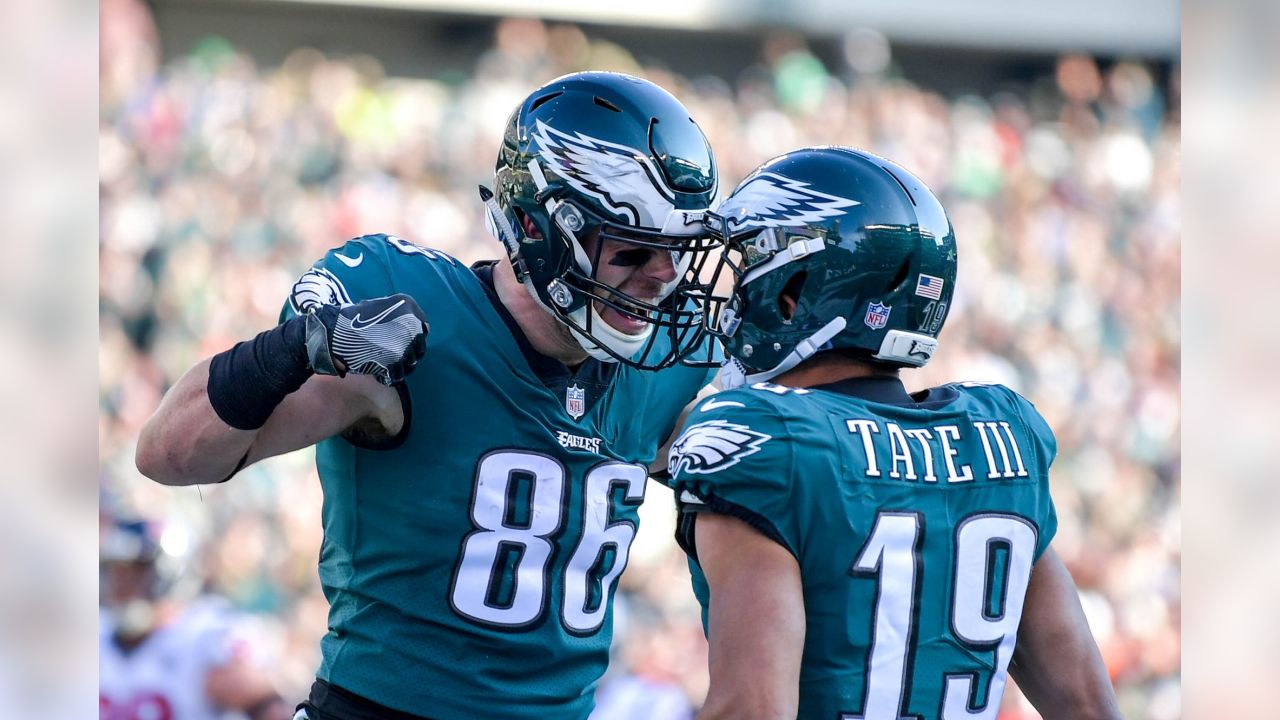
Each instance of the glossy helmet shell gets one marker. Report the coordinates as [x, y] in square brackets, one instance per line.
[610, 151]
[862, 244]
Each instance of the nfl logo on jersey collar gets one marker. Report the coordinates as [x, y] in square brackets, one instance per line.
[877, 315]
[575, 401]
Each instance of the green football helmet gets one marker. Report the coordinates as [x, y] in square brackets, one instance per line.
[607, 152]
[861, 246]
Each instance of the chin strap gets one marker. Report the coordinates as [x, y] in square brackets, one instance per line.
[803, 350]
[732, 374]
[602, 333]
[910, 349]
[496, 222]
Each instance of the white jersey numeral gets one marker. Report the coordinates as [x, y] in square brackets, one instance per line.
[976, 541]
[504, 543]
[519, 503]
[582, 613]
[409, 248]
[891, 557]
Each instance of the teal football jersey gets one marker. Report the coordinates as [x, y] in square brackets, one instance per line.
[915, 525]
[471, 569]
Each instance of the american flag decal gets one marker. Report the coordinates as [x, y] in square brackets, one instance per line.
[929, 286]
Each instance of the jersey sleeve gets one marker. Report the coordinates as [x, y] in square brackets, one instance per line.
[733, 457]
[374, 266]
[1045, 446]
[348, 274]
[370, 266]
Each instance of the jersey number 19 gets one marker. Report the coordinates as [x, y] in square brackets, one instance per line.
[891, 556]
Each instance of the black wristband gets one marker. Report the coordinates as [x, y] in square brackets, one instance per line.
[247, 382]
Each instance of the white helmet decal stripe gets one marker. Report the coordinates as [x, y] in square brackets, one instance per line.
[624, 179]
[769, 200]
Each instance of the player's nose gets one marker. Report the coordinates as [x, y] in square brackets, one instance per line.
[661, 266]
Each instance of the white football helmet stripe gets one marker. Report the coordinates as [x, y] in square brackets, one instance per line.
[769, 200]
[622, 178]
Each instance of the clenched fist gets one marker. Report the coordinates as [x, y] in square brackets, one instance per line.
[383, 337]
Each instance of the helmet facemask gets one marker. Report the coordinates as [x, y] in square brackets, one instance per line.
[876, 248]
[748, 256]
[581, 299]
[743, 257]
[608, 169]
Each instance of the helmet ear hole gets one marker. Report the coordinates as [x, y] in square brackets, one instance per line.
[528, 225]
[789, 298]
[901, 276]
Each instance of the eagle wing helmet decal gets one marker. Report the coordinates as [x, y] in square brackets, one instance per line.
[770, 200]
[623, 178]
[712, 446]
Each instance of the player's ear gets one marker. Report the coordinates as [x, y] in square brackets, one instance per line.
[787, 305]
[530, 227]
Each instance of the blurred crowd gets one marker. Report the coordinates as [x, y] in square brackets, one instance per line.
[221, 181]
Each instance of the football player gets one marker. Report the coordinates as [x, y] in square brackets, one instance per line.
[858, 551]
[480, 496]
[157, 659]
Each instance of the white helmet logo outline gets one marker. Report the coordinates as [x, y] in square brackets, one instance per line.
[623, 178]
[770, 200]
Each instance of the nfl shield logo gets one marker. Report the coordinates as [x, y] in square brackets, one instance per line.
[877, 315]
[575, 401]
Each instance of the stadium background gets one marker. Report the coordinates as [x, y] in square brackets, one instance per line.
[240, 140]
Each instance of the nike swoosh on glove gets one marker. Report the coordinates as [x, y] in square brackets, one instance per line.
[383, 337]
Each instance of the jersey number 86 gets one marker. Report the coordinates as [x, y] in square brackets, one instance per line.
[518, 509]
